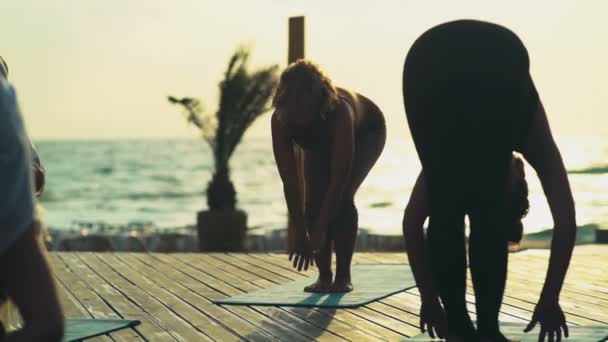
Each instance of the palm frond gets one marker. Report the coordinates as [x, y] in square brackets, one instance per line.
[244, 96]
[196, 115]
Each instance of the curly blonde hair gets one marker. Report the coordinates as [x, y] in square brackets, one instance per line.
[304, 78]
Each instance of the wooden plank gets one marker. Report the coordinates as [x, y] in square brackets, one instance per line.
[528, 285]
[125, 308]
[72, 307]
[284, 316]
[221, 289]
[167, 289]
[313, 316]
[275, 277]
[266, 262]
[580, 292]
[509, 315]
[163, 315]
[529, 292]
[513, 309]
[349, 316]
[270, 279]
[195, 318]
[579, 280]
[193, 292]
[513, 300]
[96, 307]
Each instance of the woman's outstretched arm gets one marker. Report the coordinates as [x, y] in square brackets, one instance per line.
[28, 281]
[286, 163]
[416, 212]
[543, 155]
[432, 315]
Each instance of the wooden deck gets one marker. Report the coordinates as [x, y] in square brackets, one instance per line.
[171, 295]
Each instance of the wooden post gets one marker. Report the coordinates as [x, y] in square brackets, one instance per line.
[296, 39]
[295, 52]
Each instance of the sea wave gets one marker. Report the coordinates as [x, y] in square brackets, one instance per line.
[380, 204]
[119, 181]
[136, 196]
[104, 170]
[161, 195]
[593, 170]
[584, 234]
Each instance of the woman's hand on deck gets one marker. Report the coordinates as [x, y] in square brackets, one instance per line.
[433, 319]
[551, 319]
[302, 256]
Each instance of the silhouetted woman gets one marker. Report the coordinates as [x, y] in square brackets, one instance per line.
[432, 315]
[470, 102]
[341, 134]
[26, 276]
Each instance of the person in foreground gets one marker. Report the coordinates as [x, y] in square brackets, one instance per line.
[432, 316]
[470, 102]
[341, 135]
[26, 277]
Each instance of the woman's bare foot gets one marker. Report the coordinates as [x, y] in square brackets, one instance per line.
[323, 284]
[342, 285]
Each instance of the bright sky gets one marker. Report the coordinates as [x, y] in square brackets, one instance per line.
[103, 69]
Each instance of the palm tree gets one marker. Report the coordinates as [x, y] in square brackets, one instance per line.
[244, 96]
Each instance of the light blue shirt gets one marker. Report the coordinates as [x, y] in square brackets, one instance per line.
[16, 183]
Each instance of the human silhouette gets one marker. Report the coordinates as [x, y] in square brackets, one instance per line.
[417, 211]
[26, 278]
[341, 135]
[470, 102]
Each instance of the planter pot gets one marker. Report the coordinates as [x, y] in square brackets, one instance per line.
[222, 230]
[601, 236]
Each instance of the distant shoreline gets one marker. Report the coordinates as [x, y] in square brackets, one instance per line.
[186, 240]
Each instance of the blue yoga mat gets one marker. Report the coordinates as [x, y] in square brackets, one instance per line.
[515, 332]
[82, 329]
[371, 282]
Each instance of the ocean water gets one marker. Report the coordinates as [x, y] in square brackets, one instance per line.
[162, 182]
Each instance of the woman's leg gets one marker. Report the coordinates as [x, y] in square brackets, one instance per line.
[446, 241]
[344, 231]
[368, 148]
[316, 176]
[488, 255]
